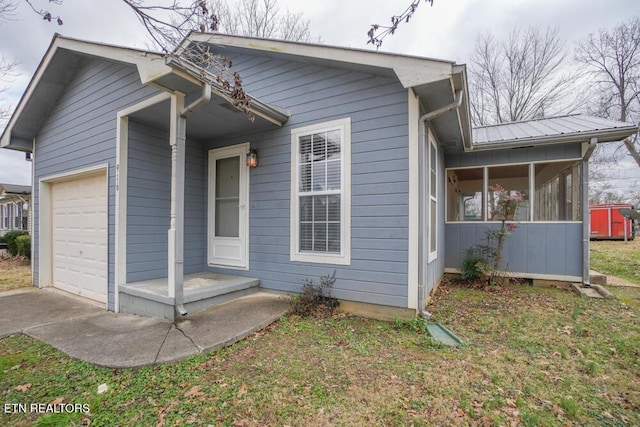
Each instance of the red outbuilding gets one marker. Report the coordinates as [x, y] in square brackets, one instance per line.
[607, 223]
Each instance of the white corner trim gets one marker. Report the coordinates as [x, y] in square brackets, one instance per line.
[344, 257]
[32, 213]
[415, 232]
[45, 233]
[122, 162]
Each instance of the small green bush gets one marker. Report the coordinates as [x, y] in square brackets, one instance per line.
[23, 244]
[475, 264]
[315, 300]
[10, 239]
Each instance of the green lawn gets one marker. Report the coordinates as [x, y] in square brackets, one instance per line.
[533, 357]
[617, 258]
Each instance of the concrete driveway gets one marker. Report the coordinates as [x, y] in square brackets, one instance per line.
[90, 333]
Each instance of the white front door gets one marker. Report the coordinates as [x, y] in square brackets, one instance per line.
[229, 207]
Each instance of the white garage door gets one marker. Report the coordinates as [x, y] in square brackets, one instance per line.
[79, 236]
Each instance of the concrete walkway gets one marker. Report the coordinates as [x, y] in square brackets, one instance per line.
[90, 333]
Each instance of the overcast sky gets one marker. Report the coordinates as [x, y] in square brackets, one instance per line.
[446, 31]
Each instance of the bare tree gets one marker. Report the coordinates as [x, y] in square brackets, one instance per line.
[261, 18]
[7, 72]
[520, 78]
[613, 60]
[7, 9]
[7, 66]
[167, 25]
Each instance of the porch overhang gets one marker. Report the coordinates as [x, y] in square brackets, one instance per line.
[181, 67]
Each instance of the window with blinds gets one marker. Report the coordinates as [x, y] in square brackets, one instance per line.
[319, 186]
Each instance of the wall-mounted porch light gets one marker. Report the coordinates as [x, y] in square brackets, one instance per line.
[252, 158]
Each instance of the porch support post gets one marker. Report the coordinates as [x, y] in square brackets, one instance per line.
[177, 140]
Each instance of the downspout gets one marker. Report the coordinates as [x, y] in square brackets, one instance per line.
[435, 113]
[204, 99]
[586, 231]
[421, 247]
[423, 130]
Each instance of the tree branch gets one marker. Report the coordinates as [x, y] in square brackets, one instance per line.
[377, 33]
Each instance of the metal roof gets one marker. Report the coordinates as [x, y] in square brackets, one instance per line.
[561, 129]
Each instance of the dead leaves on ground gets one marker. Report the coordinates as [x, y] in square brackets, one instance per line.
[22, 387]
[194, 392]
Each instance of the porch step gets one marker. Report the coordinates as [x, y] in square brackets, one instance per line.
[596, 278]
[201, 290]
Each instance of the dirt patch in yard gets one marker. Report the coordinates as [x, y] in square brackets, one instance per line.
[15, 272]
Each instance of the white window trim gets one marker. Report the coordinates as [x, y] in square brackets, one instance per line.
[344, 257]
[432, 198]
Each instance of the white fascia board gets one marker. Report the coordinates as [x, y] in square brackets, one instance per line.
[411, 70]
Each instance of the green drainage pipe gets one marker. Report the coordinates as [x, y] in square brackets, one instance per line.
[442, 335]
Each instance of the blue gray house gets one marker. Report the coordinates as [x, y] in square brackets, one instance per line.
[153, 194]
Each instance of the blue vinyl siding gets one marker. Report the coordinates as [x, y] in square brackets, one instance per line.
[149, 204]
[377, 107]
[80, 132]
[534, 248]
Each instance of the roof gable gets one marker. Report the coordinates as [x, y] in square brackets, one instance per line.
[55, 70]
[410, 70]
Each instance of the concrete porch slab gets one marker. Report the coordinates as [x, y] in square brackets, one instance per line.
[197, 286]
[201, 290]
[86, 332]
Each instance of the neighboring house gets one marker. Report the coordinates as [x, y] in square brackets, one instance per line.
[15, 203]
[366, 166]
